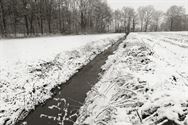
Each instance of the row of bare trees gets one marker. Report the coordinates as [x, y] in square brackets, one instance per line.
[35, 17]
[146, 18]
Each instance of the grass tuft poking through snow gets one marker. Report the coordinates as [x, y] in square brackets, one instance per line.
[145, 82]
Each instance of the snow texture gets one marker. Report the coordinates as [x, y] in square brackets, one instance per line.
[43, 48]
[144, 82]
[26, 84]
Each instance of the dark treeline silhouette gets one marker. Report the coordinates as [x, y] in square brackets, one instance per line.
[45, 17]
[37, 17]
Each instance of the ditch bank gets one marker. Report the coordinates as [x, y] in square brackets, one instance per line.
[63, 107]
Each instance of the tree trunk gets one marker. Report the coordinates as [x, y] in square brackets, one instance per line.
[125, 26]
[49, 15]
[49, 25]
[134, 24]
[31, 23]
[129, 25]
[41, 26]
[41, 17]
[171, 24]
[15, 26]
[60, 17]
[146, 26]
[3, 18]
[26, 24]
[141, 25]
[15, 17]
[82, 22]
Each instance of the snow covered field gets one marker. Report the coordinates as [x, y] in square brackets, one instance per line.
[42, 48]
[145, 82]
[26, 81]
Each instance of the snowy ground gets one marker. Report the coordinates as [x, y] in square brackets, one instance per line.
[42, 48]
[29, 81]
[145, 82]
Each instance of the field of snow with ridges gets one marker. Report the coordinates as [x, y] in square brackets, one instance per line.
[145, 82]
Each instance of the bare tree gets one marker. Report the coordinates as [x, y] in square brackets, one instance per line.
[35, 17]
[117, 19]
[157, 15]
[148, 13]
[134, 21]
[128, 14]
[174, 15]
[145, 15]
[141, 13]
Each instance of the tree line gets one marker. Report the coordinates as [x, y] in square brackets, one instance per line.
[146, 18]
[35, 17]
[40, 17]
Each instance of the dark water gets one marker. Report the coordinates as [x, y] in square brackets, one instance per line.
[68, 98]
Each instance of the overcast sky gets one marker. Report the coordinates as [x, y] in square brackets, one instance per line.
[158, 4]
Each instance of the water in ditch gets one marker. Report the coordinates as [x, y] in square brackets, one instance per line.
[63, 107]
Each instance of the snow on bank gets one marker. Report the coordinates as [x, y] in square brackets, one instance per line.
[23, 86]
[145, 82]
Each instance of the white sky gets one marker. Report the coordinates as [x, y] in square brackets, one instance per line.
[158, 4]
